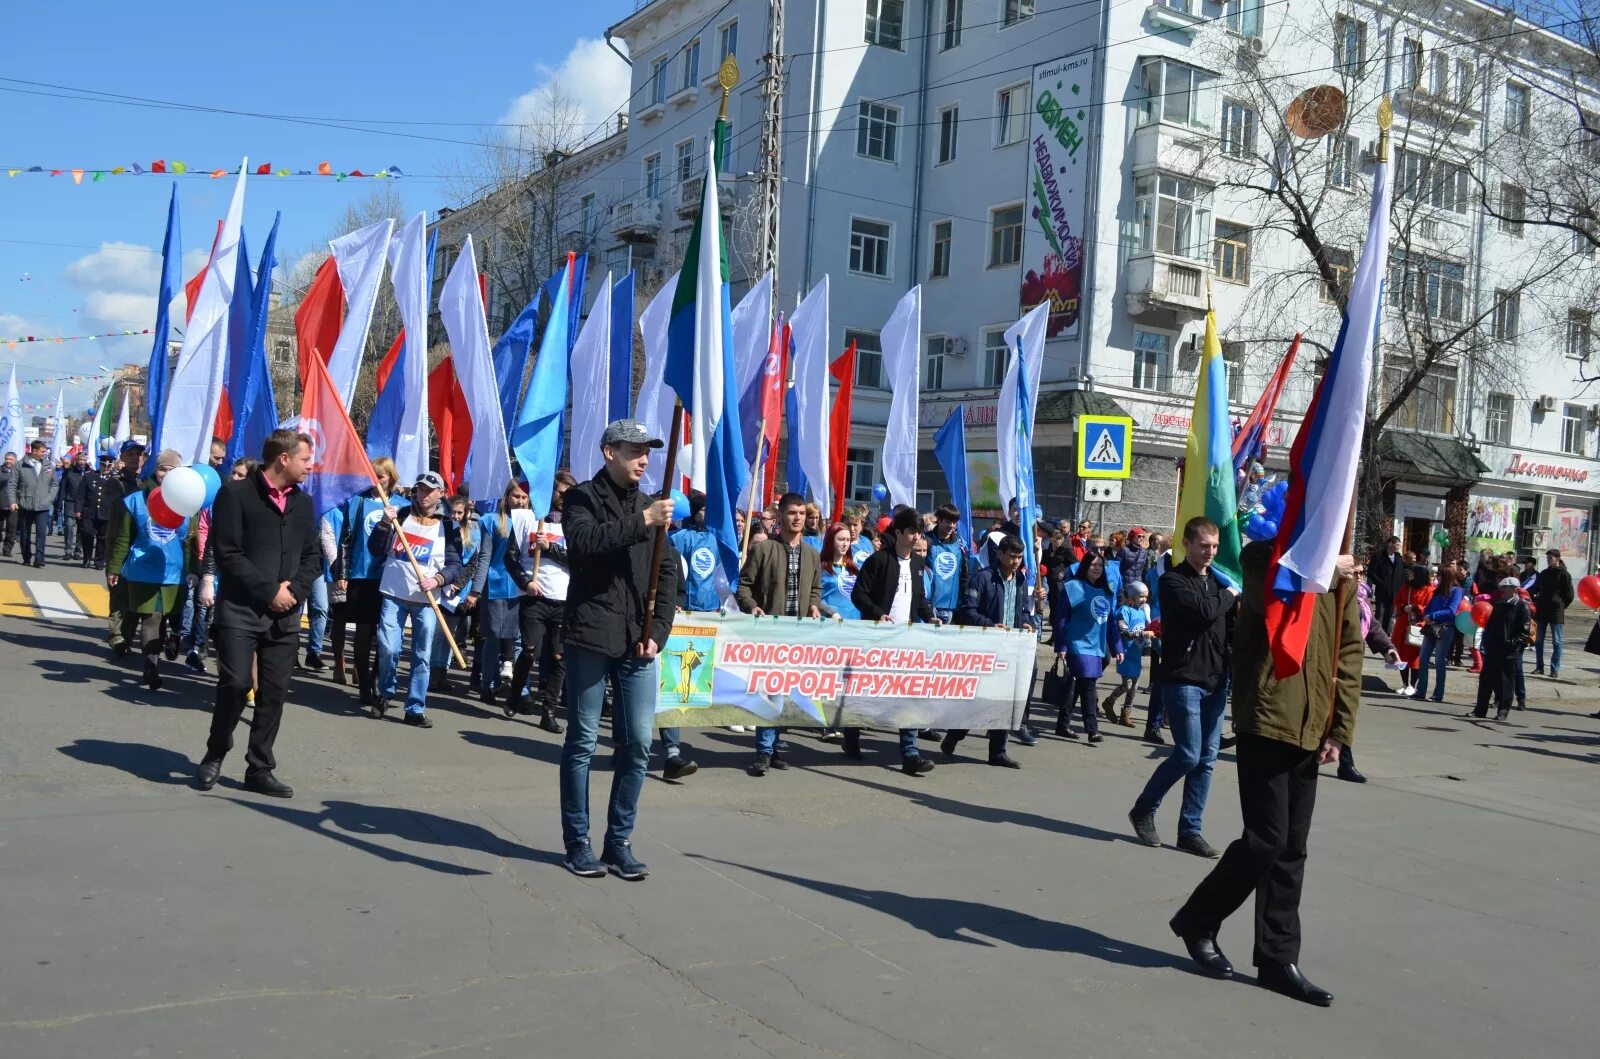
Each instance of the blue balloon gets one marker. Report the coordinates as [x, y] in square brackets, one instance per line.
[680, 506]
[1253, 526]
[1269, 531]
[213, 480]
[880, 492]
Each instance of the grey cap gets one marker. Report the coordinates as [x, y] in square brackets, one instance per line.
[630, 432]
[1510, 582]
[430, 479]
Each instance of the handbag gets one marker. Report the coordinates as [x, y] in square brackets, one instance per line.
[1592, 644]
[1414, 635]
[1055, 687]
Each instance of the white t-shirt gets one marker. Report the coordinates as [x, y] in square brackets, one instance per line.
[427, 546]
[900, 609]
[552, 576]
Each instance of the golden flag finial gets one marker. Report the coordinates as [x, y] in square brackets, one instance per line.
[727, 77]
[1385, 121]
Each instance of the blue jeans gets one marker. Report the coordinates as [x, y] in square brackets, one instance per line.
[767, 740]
[1558, 635]
[1435, 652]
[196, 621]
[392, 615]
[1156, 714]
[1196, 718]
[672, 741]
[633, 686]
[317, 609]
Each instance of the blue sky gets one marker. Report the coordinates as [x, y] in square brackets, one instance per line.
[90, 253]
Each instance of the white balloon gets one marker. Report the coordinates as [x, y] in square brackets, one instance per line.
[184, 490]
[685, 460]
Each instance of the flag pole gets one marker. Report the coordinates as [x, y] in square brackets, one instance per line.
[438, 614]
[538, 535]
[661, 530]
[750, 515]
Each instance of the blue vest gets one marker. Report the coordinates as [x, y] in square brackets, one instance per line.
[861, 550]
[362, 512]
[699, 550]
[500, 583]
[837, 584]
[944, 561]
[336, 524]
[156, 555]
[1084, 612]
[813, 539]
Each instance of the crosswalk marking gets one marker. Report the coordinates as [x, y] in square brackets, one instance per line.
[55, 601]
[94, 597]
[63, 601]
[14, 602]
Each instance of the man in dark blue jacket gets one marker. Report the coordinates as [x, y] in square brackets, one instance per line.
[996, 597]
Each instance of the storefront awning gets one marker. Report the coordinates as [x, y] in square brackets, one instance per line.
[1429, 458]
[1065, 406]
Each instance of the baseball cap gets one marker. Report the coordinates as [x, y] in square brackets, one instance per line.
[630, 432]
[130, 446]
[1510, 582]
[1137, 531]
[430, 480]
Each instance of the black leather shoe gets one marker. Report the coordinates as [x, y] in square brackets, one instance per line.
[1352, 775]
[268, 784]
[916, 765]
[1198, 845]
[1202, 949]
[206, 777]
[1286, 978]
[1005, 761]
[852, 746]
[548, 723]
[947, 746]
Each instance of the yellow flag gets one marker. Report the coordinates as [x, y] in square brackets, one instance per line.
[180, 167]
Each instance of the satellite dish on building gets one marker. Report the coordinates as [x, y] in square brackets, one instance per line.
[1316, 112]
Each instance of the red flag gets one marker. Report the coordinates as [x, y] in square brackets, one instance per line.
[452, 422]
[264, 169]
[1252, 435]
[158, 166]
[191, 290]
[390, 359]
[844, 372]
[320, 316]
[775, 377]
[339, 465]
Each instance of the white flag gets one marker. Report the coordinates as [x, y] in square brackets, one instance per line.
[461, 309]
[1030, 332]
[591, 382]
[809, 431]
[359, 257]
[408, 261]
[752, 337]
[654, 407]
[11, 420]
[59, 441]
[124, 429]
[902, 361]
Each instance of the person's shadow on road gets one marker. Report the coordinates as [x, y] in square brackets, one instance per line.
[156, 764]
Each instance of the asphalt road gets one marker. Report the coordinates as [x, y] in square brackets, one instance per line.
[409, 900]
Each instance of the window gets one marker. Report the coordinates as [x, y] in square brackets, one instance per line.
[949, 123]
[1433, 181]
[683, 164]
[877, 132]
[1464, 76]
[1580, 333]
[1342, 263]
[282, 351]
[1233, 358]
[1152, 361]
[1005, 235]
[943, 233]
[1517, 105]
[996, 357]
[1172, 216]
[1018, 11]
[1232, 258]
[1011, 115]
[727, 40]
[1572, 430]
[1430, 287]
[1175, 93]
[1238, 129]
[1432, 405]
[658, 80]
[869, 358]
[1588, 135]
[652, 177]
[952, 25]
[691, 66]
[1350, 45]
[1497, 419]
[1507, 315]
[933, 364]
[869, 247]
[885, 22]
[860, 473]
[1344, 153]
[586, 212]
[1411, 63]
[1439, 74]
[1242, 16]
[1513, 206]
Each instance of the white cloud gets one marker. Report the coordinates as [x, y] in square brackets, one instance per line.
[592, 81]
[120, 281]
[115, 266]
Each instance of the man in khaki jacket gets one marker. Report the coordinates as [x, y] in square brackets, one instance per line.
[1286, 728]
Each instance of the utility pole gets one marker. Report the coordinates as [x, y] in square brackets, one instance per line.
[769, 178]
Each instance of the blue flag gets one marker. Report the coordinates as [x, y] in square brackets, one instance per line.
[510, 356]
[388, 411]
[536, 436]
[620, 405]
[156, 387]
[237, 368]
[950, 449]
[794, 475]
[255, 410]
[575, 274]
[1027, 506]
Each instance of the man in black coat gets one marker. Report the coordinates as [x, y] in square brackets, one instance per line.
[889, 589]
[1504, 637]
[1386, 573]
[1552, 595]
[996, 597]
[91, 519]
[265, 541]
[67, 505]
[613, 631]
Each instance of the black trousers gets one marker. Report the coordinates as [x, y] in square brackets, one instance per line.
[94, 540]
[1383, 613]
[273, 652]
[542, 641]
[8, 528]
[997, 739]
[1498, 680]
[1277, 793]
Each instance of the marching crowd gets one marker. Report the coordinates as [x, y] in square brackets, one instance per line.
[558, 622]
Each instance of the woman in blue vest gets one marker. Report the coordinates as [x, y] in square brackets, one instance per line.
[1085, 636]
[947, 563]
[499, 589]
[838, 574]
[149, 564]
[356, 573]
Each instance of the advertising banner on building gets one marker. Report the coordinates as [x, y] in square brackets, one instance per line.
[1054, 202]
[1491, 523]
[736, 669]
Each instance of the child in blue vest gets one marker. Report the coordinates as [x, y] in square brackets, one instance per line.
[698, 546]
[149, 564]
[498, 585]
[1133, 620]
[947, 564]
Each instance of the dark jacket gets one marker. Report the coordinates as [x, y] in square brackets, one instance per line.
[91, 490]
[1295, 710]
[1133, 562]
[876, 584]
[1194, 627]
[8, 486]
[67, 496]
[381, 542]
[1552, 595]
[609, 548]
[983, 603]
[1506, 631]
[257, 548]
[117, 488]
[1386, 573]
[764, 580]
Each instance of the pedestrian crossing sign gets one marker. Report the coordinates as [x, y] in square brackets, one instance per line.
[1105, 446]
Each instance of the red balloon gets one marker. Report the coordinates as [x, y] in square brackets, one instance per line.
[1481, 612]
[1589, 592]
[160, 513]
[884, 523]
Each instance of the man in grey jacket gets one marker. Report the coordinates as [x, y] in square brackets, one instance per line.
[8, 503]
[36, 495]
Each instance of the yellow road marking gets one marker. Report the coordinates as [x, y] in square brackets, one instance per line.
[15, 601]
[93, 596]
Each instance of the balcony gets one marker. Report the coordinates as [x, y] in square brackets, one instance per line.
[1166, 283]
[1180, 16]
[637, 220]
[1444, 111]
[1169, 147]
[692, 190]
